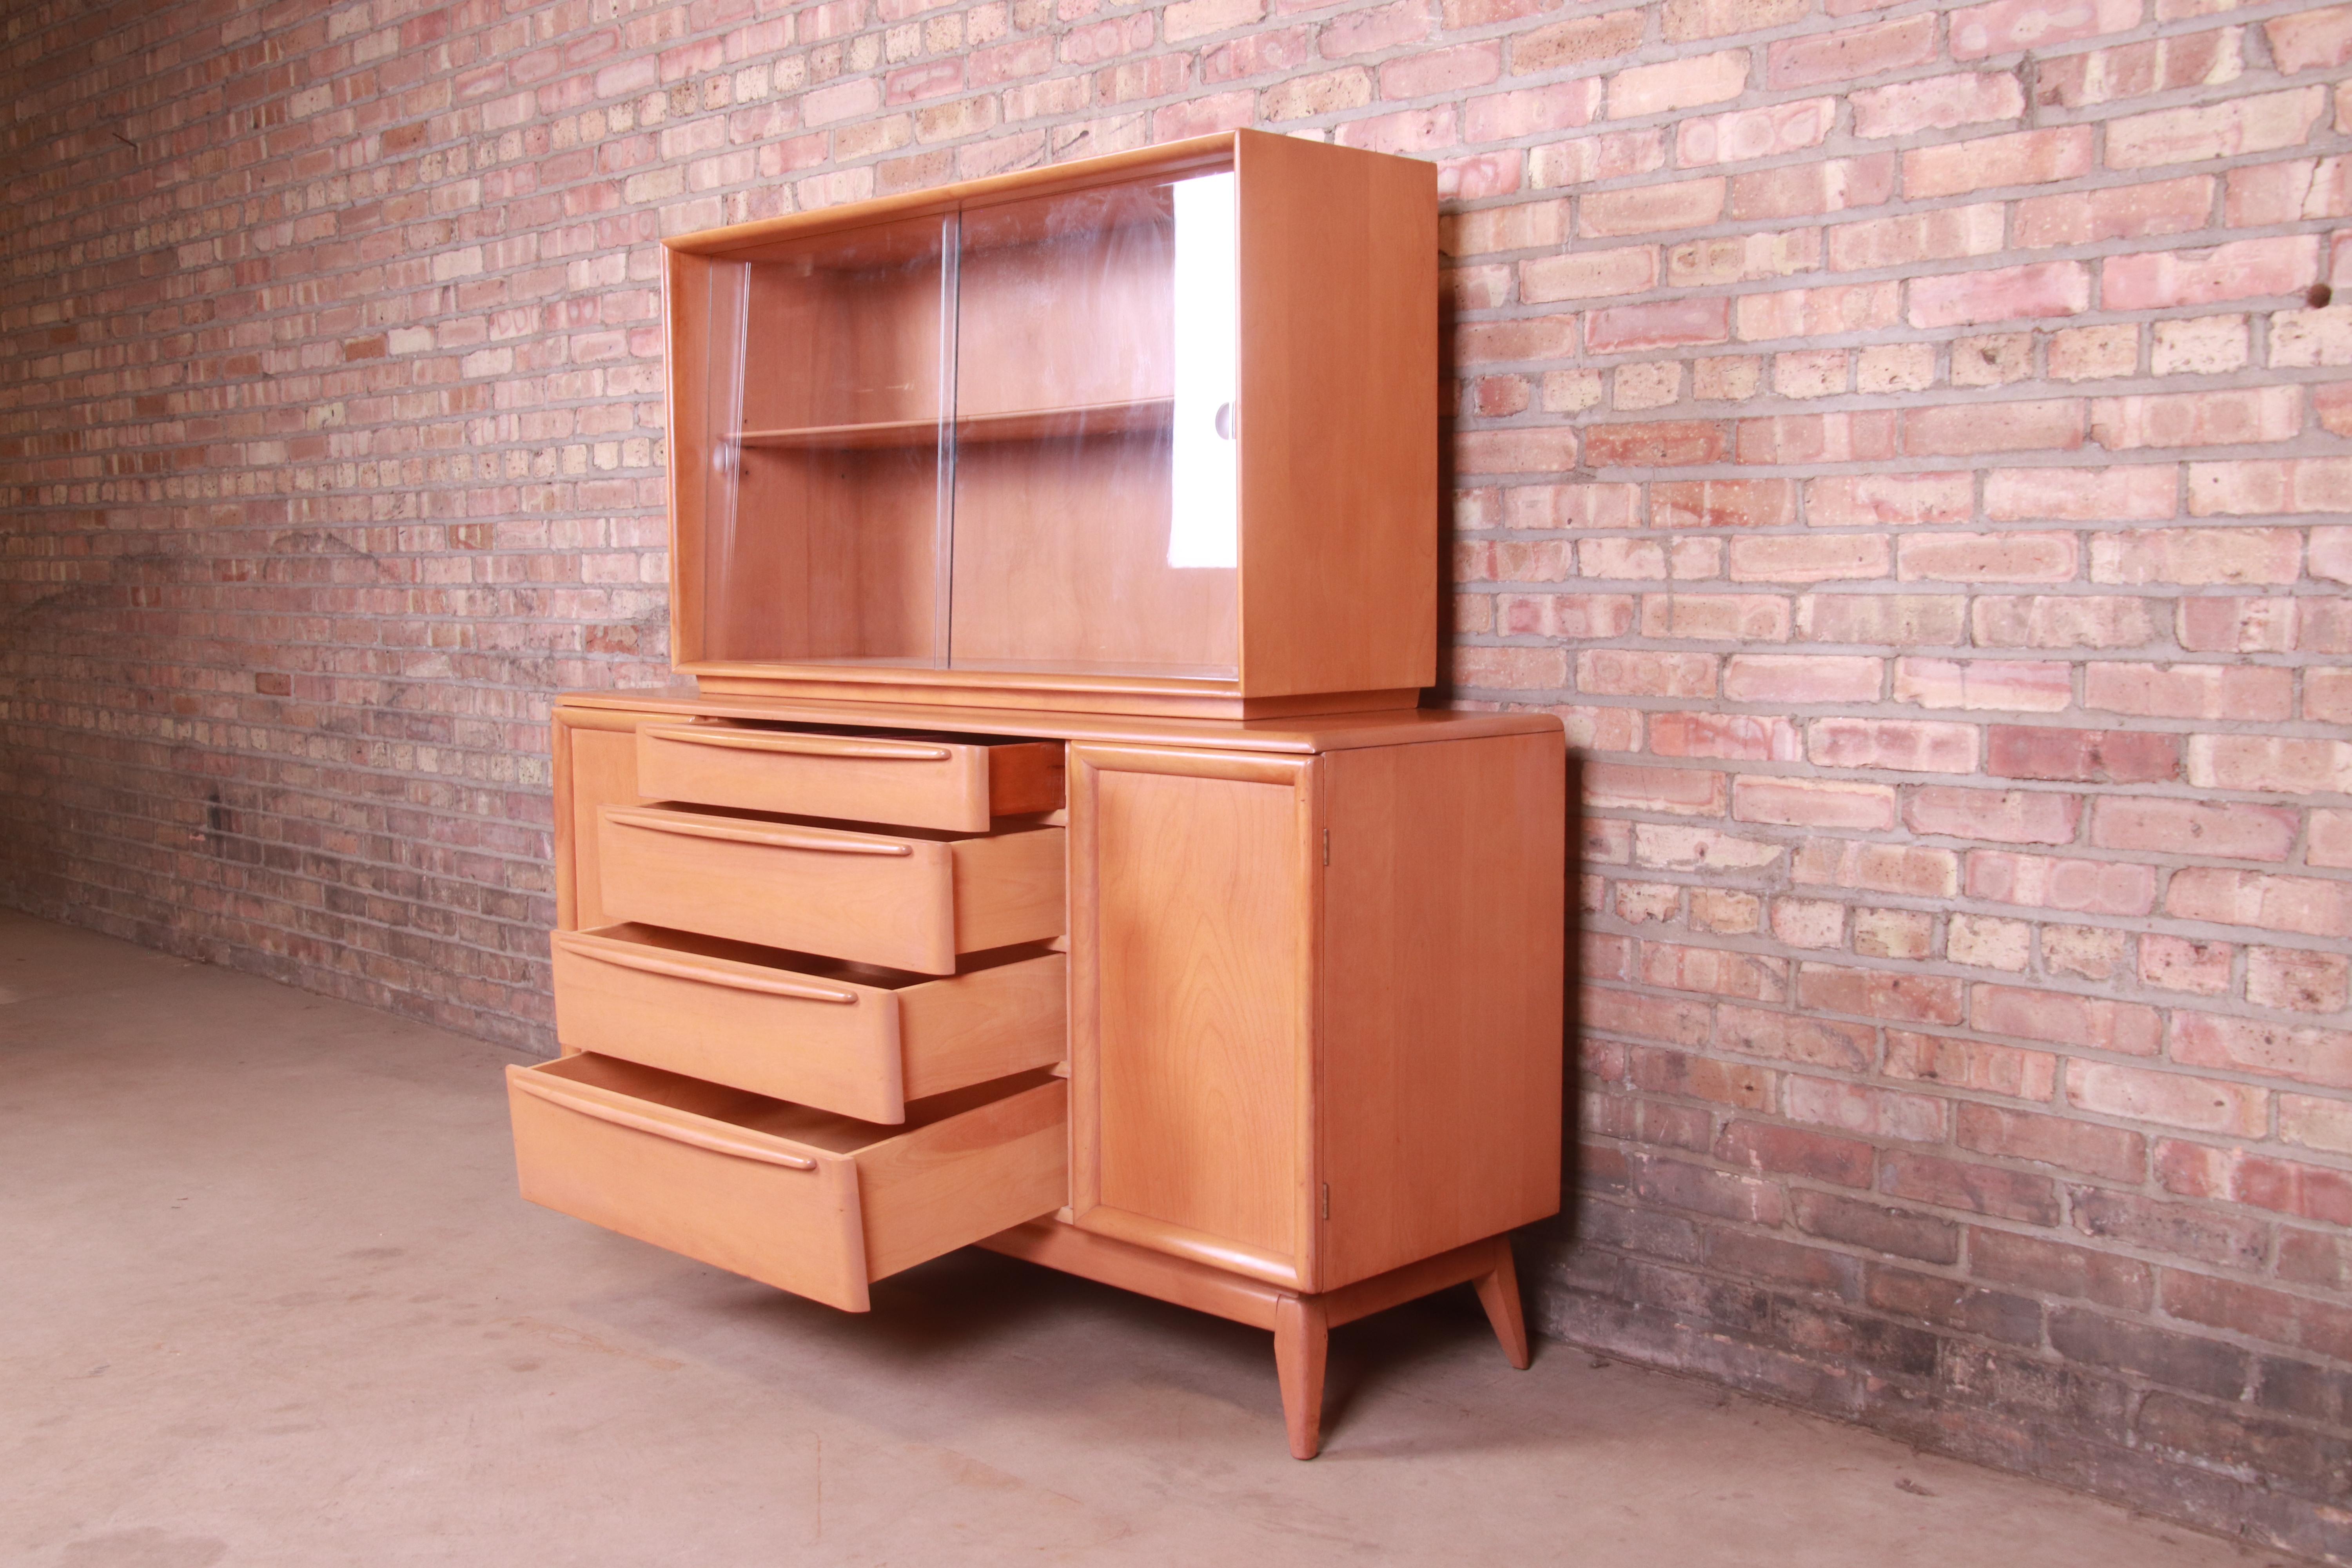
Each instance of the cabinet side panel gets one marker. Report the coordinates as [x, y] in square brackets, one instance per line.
[602, 770]
[1202, 926]
[1439, 1068]
[1338, 418]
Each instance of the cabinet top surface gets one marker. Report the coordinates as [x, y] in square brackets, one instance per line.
[1304, 732]
[1080, 173]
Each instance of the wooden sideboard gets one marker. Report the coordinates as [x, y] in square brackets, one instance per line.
[1261, 1018]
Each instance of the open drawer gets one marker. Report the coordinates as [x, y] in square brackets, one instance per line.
[845, 1038]
[906, 898]
[916, 780]
[807, 1201]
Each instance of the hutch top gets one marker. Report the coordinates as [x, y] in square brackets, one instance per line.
[1130, 435]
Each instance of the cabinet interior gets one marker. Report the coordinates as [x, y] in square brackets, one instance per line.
[998, 439]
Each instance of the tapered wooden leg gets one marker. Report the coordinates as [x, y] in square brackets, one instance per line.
[1498, 1293]
[1302, 1333]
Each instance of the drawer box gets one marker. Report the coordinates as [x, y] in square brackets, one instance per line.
[840, 1037]
[914, 780]
[906, 899]
[801, 1199]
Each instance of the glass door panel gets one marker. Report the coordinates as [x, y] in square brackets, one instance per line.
[1094, 501]
[826, 527]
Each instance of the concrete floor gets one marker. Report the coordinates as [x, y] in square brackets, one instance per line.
[268, 1296]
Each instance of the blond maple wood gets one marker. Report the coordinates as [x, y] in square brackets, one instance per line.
[1302, 1336]
[845, 1037]
[1338, 427]
[1498, 1293]
[1439, 1067]
[913, 780]
[1301, 734]
[1302, 1322]
[1192, 991]
[906, 898]
[594, 765]
[833, 581]
[811, 1203]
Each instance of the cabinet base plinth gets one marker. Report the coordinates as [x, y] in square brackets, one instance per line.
[1301, 1321]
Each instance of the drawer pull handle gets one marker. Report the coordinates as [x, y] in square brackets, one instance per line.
[801, 745]
[681, 967]
[541, 1090]
[774, 836]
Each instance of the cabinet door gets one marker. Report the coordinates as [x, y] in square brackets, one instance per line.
[1196, 893]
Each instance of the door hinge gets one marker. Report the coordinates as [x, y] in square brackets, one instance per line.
[1327, 1200]
[1327, 847]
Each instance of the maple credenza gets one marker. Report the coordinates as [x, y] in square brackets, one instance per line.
[1262, 1018]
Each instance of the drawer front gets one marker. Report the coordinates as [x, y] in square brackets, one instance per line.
[902, 902]
[812, 1203]
[862, 1046]
[915, 781]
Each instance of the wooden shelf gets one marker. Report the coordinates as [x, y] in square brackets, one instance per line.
[1127, 417]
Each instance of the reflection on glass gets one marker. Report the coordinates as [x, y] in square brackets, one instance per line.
[823, 407]
[1093, 490]
[1204, 524]
[1000, 439]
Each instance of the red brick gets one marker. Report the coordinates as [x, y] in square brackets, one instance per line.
[1971, 1064]
[1806, 190]
[2242, 125]
[2236, 626]
[1800, 680]
[2109, 1152]
[1576, 41]
[1812, 803]
[1548, 450]
[2310, 906]
[1999, 685]
[1987, 557]
[2063, 1019]
[2309, 40]
[2236, 831]
[2119, 212]
[1795, 1037]
[1532, 112]
[2056, 1269]
[1669, 443]
[1902, 996]
[2189, 691]
[2007, 26]
[1665, 324]
[2238, 269]
[1722, 503]
[2006, 294]
[1677, 84]
[2278, 764]
[2019, 158]
[2059, 621]
[2051, 882]
[1584, 275]
[1941, 234]
[2213, 418]
[1937, 103]
[1856, 52]
[2176, 1100]
[1964, 429]
[2003, 816]
[2298, 980]
[1750, 134]
[1790, 1151]
[2322, 1327]
[1978, 1189]
[2083, 756]
[1687, 792]
[1868, 500]
[2080, 495]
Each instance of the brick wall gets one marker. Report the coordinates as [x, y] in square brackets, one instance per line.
[1910, 444]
